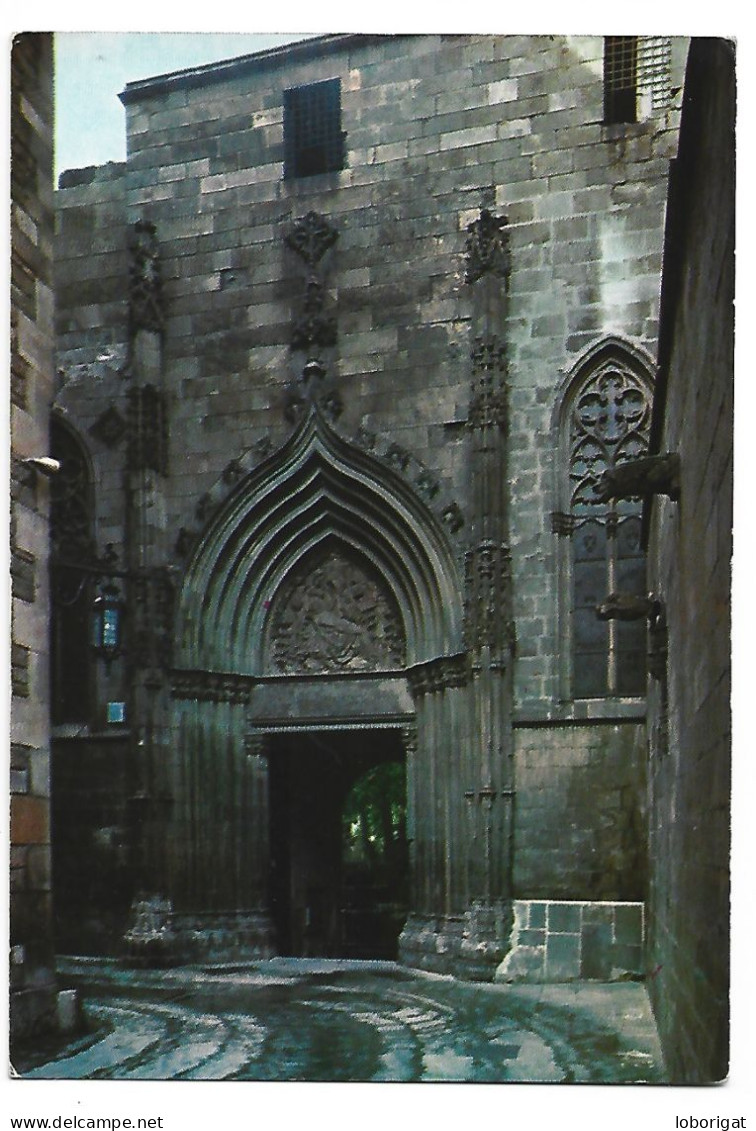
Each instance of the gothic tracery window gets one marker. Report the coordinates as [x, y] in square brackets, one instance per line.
[607, 424]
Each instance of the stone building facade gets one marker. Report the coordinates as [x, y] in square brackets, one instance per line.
[32, 980]
[690, 547]
[344, 348]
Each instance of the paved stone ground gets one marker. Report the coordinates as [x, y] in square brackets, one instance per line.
[300, 1019]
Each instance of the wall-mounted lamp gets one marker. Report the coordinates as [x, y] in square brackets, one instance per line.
[107, 622]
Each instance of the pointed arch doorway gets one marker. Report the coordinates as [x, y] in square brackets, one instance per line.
[339, 851]
[318, 638]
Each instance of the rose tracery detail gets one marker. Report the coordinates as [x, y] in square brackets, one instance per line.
[609, 425]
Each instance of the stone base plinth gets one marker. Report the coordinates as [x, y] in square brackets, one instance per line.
[470, 945]
[565, 941]
[230, 936]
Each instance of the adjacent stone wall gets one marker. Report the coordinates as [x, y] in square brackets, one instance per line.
[690, 547]
[33, 1000]
[92, 782]
[580, 812]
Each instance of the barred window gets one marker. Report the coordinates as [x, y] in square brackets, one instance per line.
[313, 138]
[620, 78]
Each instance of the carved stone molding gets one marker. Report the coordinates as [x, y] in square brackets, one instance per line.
[489, 355]
[313, 329]
[452, 517]
[312, 391]
[488, 596]
[110, 427]
[488, 398]
[233, 473]
[487, 247]
[311, 237]
[336, 616]
[215, 687]
[145, 283]
[438, 675]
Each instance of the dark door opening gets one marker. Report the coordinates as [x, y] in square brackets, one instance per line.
[339, 861]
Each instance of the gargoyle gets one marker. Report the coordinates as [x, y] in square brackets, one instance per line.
[650, 475]
[625, 606]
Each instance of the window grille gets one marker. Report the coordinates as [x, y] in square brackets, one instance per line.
[620, 78]
[654, 70]
[313, 139]
[608, 424]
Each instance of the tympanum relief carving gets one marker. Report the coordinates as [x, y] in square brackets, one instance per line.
[336, 616]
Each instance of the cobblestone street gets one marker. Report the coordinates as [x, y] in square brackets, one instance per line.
[322, 1020]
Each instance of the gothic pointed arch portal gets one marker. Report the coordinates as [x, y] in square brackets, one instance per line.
[318, 490]
[317, 590]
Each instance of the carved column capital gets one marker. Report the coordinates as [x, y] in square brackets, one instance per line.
[438, 675]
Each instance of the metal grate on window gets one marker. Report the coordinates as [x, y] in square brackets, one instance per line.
[654, 70]
[620, 78]
[313, 139]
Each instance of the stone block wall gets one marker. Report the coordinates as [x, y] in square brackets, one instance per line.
[690, 547]
[33, 992]
[566, 941]
[580, 812]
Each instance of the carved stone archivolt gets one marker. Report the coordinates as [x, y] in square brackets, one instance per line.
[427, 484]
[336, 616]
